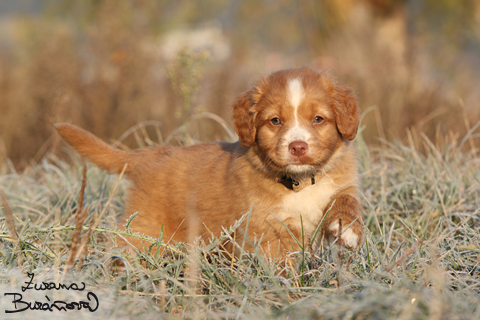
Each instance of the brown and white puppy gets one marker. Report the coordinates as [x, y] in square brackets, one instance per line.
[294, 158]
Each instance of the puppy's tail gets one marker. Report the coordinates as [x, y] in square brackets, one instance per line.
[95, 149]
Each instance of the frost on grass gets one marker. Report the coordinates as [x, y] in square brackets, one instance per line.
[420, 257]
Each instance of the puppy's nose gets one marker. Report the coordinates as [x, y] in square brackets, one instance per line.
[298, 148]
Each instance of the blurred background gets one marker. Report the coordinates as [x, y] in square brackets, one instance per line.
[108, 65]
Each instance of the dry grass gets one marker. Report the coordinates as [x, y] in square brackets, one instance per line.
[419, 259]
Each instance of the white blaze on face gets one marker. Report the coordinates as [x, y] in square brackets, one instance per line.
[295, 93]
[295, 96]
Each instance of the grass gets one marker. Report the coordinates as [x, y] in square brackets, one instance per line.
[420, 257]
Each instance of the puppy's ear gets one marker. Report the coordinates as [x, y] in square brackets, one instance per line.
[244, 118]
[346, 111]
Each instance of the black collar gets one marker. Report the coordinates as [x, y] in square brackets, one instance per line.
[293, 184]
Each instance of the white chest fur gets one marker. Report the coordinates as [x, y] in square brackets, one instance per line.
[309, 202]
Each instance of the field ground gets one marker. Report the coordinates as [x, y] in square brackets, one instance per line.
[420, 258]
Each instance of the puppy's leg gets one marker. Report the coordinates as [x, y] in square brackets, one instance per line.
[278, 241]
[344, 220]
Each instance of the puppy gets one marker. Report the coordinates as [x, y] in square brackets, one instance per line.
[294, 161]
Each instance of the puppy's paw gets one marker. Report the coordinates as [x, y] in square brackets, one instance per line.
[351, 237]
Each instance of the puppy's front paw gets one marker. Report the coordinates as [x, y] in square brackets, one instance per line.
[350, 237]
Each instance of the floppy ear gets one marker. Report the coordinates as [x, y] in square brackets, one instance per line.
[244, 118]
[346, 111]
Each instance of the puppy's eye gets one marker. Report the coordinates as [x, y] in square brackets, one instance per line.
[317, 119]
[276, 121]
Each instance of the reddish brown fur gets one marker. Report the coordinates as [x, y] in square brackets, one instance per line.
[199, 190]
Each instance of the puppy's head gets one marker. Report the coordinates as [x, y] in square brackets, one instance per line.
[296, 119]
